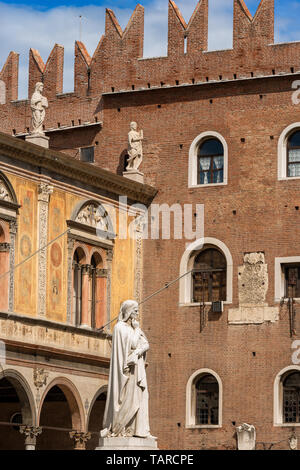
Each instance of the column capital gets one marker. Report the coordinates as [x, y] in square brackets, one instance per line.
[44, 192]
[102, 273]
[13, 226]
[30, 431]
[109, 255]
[80, 439]
[86, 268]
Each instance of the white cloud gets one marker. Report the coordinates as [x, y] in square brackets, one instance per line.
[23, 27]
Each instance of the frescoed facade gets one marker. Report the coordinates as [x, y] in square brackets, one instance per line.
[64, 275]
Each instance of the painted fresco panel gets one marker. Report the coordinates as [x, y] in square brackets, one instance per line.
[122, 285]
[57, 259]
[26, 274]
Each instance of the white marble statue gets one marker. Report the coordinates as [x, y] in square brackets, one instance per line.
[135, 147]
[38, 107]
[126, 411]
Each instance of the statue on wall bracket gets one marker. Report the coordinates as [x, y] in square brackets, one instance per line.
[38, 104]
[135, 153]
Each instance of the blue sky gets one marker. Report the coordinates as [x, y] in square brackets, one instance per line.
[42, 24]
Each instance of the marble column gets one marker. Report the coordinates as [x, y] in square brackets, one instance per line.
[101, 297]
[44, 192]
[85, 323]
[30, 433]
[80, 439]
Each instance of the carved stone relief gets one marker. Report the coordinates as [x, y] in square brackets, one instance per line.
[71, 243]
[40, 377]
[139, 229]
[253, 286]
[253, 279]
[246, 436]
[13, 227]
[44, 192]
[4, 193]
[93, 216]
[293, 442]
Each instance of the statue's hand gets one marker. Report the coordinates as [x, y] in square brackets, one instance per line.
[132, 359]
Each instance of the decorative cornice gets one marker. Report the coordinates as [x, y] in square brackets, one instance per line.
[91, 230]
[64, 165]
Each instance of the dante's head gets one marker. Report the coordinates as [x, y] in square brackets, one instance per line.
[133, 126]
[129, 308]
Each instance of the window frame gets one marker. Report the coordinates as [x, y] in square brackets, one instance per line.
[191, 400]
[278, 397]
[297, 392]
[82, 149]
[186, 268]
[282, 151]
[280, 263]
[288, 148]
[211, 171]
[209, 272]
[194, 160]
[199, 395]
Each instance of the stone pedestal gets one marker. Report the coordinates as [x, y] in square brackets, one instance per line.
[38, 139]
[134, 175]
[127, 443]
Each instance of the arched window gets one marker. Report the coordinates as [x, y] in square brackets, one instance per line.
[204, 399]
[291, 397]
[78, 264]
[191, 266]
[293, 154]
[207, 400]
[209, 276]
[211, 162]
[208, 160]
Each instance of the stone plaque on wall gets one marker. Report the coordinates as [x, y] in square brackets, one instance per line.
[253, 283]
[253, 279]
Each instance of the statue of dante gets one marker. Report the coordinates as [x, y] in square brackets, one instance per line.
[135, 148]
[38, 107]
[126, 411]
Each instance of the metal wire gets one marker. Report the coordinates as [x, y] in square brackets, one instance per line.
[34, 254]
[150, 297]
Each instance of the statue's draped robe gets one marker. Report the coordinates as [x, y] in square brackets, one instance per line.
[126, 411]
[135, 150]
[38, 104]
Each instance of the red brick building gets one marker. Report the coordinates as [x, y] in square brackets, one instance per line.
[221, 129]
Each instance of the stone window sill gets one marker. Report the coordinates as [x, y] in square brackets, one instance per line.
[204, 426]
[194, 304]
[287, 178]
[287, 425]
[195, 186]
